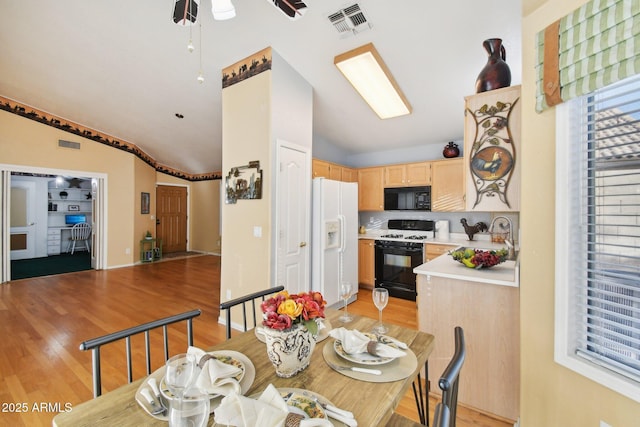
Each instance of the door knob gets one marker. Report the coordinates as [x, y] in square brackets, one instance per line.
[303, 244]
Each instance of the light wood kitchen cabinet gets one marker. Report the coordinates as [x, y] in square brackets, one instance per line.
[407, 175]
[371, 189]
[489, 315]
[491, 147]
[349, 175]
[321, 168]
[434, 250]
[448, 185]
[366, 263]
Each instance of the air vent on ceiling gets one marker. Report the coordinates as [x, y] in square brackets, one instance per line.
[68, 144]
[350, 20]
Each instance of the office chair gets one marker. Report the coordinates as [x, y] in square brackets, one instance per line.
[226, 306]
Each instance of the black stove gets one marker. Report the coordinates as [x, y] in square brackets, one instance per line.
[396, 258]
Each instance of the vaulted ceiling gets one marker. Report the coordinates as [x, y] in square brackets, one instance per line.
[123, 68]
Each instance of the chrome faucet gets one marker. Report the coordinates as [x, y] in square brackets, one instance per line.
[509, 241]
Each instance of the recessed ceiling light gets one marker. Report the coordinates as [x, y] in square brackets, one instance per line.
[180, 116]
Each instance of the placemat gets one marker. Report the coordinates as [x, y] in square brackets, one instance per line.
[395, 370]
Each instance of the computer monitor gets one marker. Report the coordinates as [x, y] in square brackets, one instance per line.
[74, 219]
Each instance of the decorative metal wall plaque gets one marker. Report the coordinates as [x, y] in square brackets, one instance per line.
[493, 154]
[244, 182]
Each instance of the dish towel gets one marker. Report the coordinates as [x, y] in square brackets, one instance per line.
[269, 410]
[215, 377]
[354, 342]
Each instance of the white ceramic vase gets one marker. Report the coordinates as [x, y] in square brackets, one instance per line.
[289, 350]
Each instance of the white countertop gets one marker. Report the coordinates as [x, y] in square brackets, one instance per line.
[505, 274]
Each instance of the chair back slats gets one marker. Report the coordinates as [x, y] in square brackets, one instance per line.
[450, 378]
[260, 295]
[94, 344]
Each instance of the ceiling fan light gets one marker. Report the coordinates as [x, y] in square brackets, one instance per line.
[368, 74]
[222, 10]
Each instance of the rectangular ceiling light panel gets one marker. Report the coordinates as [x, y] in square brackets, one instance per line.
[368, 74]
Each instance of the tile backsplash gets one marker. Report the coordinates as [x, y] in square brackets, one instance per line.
[378, 220]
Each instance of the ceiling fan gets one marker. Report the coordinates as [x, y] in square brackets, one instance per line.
[185, 12]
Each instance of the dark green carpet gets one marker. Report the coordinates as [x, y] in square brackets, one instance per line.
[55, 264]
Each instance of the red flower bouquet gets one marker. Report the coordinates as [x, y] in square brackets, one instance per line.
[282, 311]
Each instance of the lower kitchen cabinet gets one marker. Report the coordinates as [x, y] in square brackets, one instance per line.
[366, 263]
[489, 315]
[434, 250]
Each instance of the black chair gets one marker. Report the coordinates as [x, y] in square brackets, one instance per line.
[94, 344]
[450, 378]
[441, 415]
[252, 298]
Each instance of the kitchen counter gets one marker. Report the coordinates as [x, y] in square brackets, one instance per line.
[505, 274]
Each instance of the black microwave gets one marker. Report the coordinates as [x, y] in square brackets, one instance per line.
[407, 199]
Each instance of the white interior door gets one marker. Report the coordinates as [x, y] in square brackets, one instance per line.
[22, 219]
[293, 217]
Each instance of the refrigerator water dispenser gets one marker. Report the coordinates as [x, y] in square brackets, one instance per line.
[332, 236]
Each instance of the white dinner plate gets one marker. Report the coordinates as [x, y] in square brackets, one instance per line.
[245, 383]
[365, 358]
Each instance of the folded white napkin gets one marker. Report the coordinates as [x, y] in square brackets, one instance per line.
[215, 377]
[354, 342]
[269, 410]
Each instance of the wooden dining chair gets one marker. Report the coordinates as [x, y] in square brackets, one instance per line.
[450, 378]
[244, 300]
[95, 344]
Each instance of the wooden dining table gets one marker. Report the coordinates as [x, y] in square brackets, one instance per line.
[372, 403]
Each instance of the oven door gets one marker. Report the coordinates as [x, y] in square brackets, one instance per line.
[394, 264]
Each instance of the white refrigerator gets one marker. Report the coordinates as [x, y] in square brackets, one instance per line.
[334, 238]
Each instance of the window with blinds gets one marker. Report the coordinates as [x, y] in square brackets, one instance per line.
[606, 269]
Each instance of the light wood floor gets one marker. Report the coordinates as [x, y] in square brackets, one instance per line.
[43, 320]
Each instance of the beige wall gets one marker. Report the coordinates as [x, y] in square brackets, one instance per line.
[246, 130]
[551, 395]
[206, 214]
[145, 181]
[32, 144]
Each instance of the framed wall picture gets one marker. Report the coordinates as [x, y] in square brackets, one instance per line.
[145, 201]
[74, 208]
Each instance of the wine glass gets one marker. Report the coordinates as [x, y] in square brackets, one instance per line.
[380, 299]
[345, 292]
[178, 377]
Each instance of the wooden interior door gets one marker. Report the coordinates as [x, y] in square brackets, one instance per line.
[171, 214]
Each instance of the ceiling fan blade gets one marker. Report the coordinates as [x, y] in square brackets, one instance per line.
[185, 12]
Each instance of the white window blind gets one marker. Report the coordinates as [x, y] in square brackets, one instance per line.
[605, 270]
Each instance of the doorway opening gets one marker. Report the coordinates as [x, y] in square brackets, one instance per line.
[42, 211]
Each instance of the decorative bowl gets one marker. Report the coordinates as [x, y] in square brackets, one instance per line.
[478, 258]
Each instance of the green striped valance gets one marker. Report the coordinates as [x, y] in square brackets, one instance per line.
[598, 44]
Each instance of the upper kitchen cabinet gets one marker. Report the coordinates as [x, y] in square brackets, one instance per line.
[447, 185]
[407, 175]
[321, 168]
[491, 145]
[371, 189]
[349, 175]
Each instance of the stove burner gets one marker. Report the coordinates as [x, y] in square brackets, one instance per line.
[392, 236]
[416, 237]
